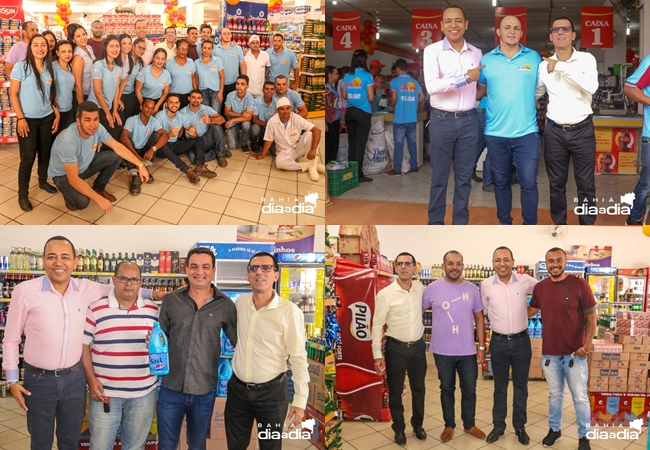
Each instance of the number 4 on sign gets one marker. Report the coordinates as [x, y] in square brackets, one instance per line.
[346, 40]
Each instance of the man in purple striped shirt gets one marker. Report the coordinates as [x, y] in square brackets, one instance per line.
[122, 391]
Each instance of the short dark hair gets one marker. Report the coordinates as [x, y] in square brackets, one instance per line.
[135, 24]
[455, 252]
[96, 21]
[573, 28]
[278, 34]
[196, 91]
[182, 41]
[86, 107]
[147, 99]
[27, 23]
[243, 77]
[270, 83]
[503, 247]
[204, 26]
[555, 249]
[260, 254]
[59, 238]
[401, 64]
[190, 29]
[406, 254]
[173, 28]
[117, 268]
[207, 42]
[455, 7]
[281, 77]
[200, 251]
[173, 94]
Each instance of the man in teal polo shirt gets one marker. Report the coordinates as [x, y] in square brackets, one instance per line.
[239, 111]
[264, 109]
[233, 62]
[282, 61]
[511, 134]
[143, 135]
[282, 90]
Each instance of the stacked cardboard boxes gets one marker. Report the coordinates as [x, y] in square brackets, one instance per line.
[360, 244]
[321, 406]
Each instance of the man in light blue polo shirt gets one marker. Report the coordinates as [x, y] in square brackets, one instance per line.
[75, 158]
[511, 134]
[233, 62]
[637, 88]
[239, 111]
[264, 109]
[406, 99]
[282, 61]
[143, 136]
[282, 90]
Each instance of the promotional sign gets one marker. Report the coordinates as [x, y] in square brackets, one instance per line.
[346, 30]
[425, 27]
[592, 255]
[12, 9]
[597, 27]
[241, 251]
[519, 13]
[616, 150]
[285, 238]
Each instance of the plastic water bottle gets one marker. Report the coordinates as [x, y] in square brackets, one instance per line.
[227, 348]
[225, 372]
[531, 328]
[538, 329]
[158, 351]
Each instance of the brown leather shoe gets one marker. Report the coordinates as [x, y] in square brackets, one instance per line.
[447, 434]
[110, 197]
[203, 170]
[70, 207]
[476, 433]
[192, 176]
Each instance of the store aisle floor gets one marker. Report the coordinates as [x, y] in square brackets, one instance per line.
[377, 435]
[236, 196]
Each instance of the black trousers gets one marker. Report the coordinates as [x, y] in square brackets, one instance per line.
[358, 123]
[114, 132]
[141, 151]
[37, 142]
[268, 407]
[332, 138]
[507, 353]
[227, 89]
[185, 100]
[67, 119]
[131, 106]
[559, 147]
[401, 358]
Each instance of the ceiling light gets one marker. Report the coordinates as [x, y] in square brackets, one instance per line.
[417, 50]
[494, 2]
[627, 31]
[377, 35]
[334, 2]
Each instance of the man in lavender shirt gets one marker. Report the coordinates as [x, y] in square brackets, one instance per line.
[18, 51]
[455, 307]
[451, 69]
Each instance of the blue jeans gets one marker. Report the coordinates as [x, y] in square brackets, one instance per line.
[467, 369]
[576, 377]
[210, 99]
[401, 130]
[172, 407]
[61, 398]
[233, 134]
[457, 138]
[213, 139]
[642, 189]
[134, 415]
[524, 153]
[488, 179]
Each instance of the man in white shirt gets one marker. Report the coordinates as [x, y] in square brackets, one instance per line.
[570, 78]
[169, 44]
[270, 329]
[256, 64]
[399, 306]
[284, 129]
[141, 32]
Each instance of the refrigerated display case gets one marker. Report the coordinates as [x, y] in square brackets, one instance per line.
[631, 287]
[602, 281]
[576, 268]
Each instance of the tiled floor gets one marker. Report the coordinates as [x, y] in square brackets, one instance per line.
[414, 188]
[377, 435]
[236, 196]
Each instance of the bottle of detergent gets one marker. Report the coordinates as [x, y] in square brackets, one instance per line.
[225, 372]
[158, 351]
[226, 347]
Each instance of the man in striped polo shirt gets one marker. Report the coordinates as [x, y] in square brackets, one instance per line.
[117, 365]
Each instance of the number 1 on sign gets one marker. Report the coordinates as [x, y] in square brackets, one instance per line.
[346, 40]
[597, 36]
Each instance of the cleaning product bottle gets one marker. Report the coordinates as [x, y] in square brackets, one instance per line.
[158, 351]
[225, 372]
[226, 346]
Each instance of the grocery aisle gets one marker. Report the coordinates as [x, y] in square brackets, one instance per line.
[377, 435]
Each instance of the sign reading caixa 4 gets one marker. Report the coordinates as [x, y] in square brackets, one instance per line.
[12, 9]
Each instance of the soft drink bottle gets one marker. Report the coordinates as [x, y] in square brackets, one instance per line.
[158, 351]
[225, 372]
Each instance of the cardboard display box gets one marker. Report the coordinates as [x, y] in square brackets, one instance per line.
[595, 356]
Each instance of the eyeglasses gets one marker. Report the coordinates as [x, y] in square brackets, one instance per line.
[265, 268]
[404, 263]
[125, 280]
[564, 29]
[170, 32]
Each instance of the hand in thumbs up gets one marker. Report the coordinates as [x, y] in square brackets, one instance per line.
[206, 119]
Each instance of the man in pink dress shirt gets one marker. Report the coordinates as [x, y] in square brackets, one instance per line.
[504, 297]
[51, 312]
[451, 69]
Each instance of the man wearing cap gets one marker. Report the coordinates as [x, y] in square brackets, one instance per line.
[282, 61]
[375, 70]
[256, 63]
[285, 129]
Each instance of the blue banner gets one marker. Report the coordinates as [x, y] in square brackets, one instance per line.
[239, 250]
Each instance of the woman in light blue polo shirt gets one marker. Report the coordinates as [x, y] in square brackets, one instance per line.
[131, 57]
[82, 61]
[183, 73]
[211, 76]
[153, 81]
[33, 93]
[64, 81]
[359, 91]
[106, 76]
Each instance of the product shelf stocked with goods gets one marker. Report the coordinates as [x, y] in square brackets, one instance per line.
[10, 34]
[124, 22]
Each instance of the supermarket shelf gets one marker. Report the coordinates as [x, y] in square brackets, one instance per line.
[313, 39]
[251, 32]
[315, 114]
[9, 140]
[309, 74]
[386, 274]
[5, 84]
[313, 56]
[330, 302]
[311, 92]
[619, 303]
[7, 113]
[99, 274]
[10, 32]
[32, 272]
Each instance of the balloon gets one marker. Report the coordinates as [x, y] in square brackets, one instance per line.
[174, 2]
[63, 8]
[175, 8]
[373, 46]
[232, 2]
[373, 30]
[279, 2]
[58, 4]
[367, 23]
[64, 2]
[66, 20]
[367, 40]
[168, 23]
[181, 24]
[68, 12]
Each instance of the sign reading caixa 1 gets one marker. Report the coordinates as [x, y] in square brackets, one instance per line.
[12, 9]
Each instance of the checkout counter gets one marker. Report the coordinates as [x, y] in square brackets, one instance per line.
[618, 143]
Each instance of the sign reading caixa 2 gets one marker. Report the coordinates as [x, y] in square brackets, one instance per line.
[12, 9]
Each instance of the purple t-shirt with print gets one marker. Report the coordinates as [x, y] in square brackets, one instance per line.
[452, 316]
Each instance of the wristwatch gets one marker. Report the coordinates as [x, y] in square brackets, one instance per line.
[11, 383]
[154, 148]
[468, 79]
[481, 348]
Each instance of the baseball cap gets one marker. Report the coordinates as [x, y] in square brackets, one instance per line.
[376, 63]
[284, 101]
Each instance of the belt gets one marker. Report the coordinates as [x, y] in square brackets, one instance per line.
[56, 373]
[261, 386]
[480, 109]
[645, 139]
[398, 342]
[572, 127]
[510, 336]
[456, 115]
